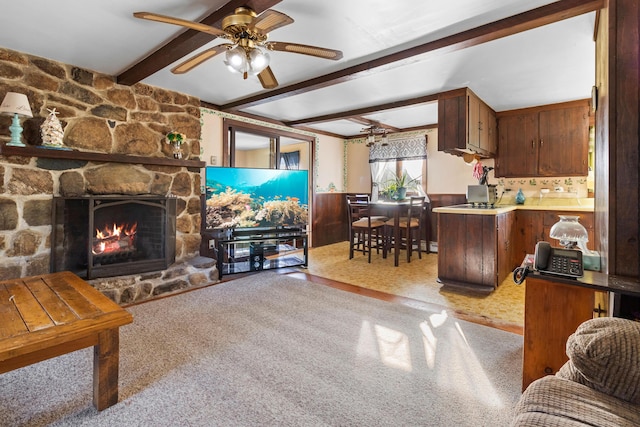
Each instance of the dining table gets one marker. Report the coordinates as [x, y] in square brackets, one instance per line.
[392, 209]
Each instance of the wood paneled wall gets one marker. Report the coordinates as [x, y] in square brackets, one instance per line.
[329, 222]
[618, 137]
[439, 200]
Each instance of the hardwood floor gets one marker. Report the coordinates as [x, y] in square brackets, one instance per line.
[400, 300]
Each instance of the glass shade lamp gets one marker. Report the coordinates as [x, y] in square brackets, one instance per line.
[258, 60]
[16, 104]
[385, 139]
[246, 60]
[236, 59]
[573, 235]
[569, 232]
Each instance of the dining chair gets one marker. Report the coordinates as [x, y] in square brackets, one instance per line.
[366, 231]
[410, 227]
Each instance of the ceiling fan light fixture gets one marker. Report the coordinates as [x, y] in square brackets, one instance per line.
[372, 136]
[385, 139]
[246, 31]
[258, 60]
[236, 59]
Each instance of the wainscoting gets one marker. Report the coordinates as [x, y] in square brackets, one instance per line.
[329, 223]
[330, 226]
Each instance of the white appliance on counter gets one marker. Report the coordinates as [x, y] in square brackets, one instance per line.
[482, 194]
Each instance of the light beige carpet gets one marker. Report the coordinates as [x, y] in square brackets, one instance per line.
[416, 280]
[270, 350]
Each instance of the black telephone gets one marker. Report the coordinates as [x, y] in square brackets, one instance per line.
[563, 262]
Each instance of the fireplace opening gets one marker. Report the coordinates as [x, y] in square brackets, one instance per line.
[104, 236]
[118, 241]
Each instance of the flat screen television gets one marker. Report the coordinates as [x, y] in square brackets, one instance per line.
[246, 198]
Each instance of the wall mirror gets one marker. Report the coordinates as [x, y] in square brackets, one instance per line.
[247, 145]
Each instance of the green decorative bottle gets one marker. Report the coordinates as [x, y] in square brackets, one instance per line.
[520, 197]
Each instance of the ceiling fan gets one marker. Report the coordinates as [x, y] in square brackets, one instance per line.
[247, 50]
[374, 130]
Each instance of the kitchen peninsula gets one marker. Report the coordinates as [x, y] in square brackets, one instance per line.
[478, 248]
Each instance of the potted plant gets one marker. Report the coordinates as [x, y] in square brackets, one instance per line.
[176, 139]
[397, 187]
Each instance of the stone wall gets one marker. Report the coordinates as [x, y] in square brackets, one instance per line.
[99, 116]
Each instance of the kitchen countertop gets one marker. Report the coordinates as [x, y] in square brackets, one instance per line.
[547, 204]
[599, 281]
[469, 209]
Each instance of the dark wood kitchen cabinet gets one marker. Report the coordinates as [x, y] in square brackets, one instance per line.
[474, 250]
[552, 140]
[482, 125]
[466, 124]
[504, 230]
[533, 226]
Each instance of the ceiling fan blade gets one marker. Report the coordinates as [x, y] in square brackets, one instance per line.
[181, 22]
[268, 21]
[267, 78]
[199, 58]
[304, 49]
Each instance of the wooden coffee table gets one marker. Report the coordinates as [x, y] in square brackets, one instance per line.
[53, 314]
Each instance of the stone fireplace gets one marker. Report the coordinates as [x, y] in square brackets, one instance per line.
[114, 148]
[104, 236]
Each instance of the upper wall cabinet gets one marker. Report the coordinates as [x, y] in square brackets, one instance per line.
[552, 140]
[466, 124]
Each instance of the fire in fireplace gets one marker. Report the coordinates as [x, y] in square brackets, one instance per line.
[102, 236]
[117, 240]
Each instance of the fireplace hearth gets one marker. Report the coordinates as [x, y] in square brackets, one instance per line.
[113, 235]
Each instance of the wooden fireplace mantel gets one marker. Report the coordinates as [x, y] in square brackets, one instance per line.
[96, 157]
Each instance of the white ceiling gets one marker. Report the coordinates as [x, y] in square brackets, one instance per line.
[549, 64]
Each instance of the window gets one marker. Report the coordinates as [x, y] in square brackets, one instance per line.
[384, 172]
[401, 156]
[290, 160]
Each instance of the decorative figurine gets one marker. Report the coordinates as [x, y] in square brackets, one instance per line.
[51, 131]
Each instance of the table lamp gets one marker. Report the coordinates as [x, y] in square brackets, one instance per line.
[573, 235]
[18, 105]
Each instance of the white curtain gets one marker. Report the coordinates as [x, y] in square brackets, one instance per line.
[382, 159]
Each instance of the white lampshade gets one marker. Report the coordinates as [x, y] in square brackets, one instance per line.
[16, 103]
[371, 139]
[569, 231]
[258, 60]
[385, 139]
[236, 59]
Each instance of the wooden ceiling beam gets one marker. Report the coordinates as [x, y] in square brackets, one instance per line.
[361, 120]
[364, 111]
[553, 12]
[187, 42]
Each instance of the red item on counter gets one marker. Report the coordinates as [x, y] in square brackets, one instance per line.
[477, 170]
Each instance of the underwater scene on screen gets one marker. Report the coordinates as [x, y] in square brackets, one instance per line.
[251, 198]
